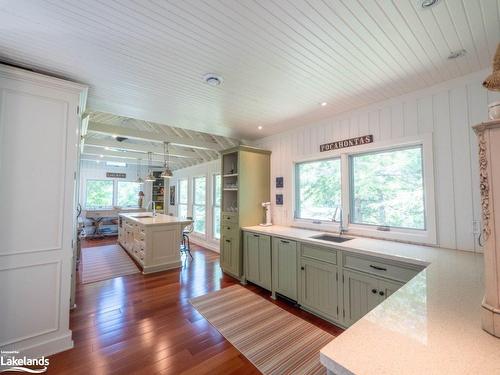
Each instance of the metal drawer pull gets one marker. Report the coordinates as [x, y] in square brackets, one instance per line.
[256, 235]
[283, 241]
[374, 291]
[378, 268]
[381, 293]
[302, 268]
[228, 240]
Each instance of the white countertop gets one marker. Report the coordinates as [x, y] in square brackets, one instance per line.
[159, 219]
[432, 325]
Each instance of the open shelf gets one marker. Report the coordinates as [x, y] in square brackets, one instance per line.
[230, 175]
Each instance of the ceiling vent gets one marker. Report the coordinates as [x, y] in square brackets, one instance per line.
[212, 79]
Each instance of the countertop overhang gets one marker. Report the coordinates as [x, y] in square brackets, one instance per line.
[432, 325]
[159, 219]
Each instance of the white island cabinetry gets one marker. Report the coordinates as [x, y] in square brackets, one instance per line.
[153, 241]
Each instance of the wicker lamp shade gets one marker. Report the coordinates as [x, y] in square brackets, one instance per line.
[492, 82]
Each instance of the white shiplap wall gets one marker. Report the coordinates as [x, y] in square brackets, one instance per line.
[448, 110]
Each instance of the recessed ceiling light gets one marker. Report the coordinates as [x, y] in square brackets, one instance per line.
[259, 127]
[428, 3]
[323, 104]
[101, 156]
[213, 79]
[456, 54]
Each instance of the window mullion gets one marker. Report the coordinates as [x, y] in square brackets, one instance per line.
[345, 193]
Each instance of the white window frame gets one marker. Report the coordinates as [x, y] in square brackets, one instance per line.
[214, 206]
[193, 187]
[427, 236]
[115, 193]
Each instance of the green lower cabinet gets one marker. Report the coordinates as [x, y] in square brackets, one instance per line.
[362, 293]
[284, 264]
[319, 290]
[257, 253]
[230, 256]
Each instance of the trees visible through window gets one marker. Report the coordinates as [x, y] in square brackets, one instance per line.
[216, 206]
[128, 194]
[183, 198]
[318, 189]
[99, 194]
[199, 204]
[387, 188]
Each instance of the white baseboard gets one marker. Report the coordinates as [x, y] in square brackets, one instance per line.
[46, 347]
[210, 245]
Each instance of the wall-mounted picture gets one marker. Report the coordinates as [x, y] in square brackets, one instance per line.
[279, 182]
[279, 199]
[172, 195]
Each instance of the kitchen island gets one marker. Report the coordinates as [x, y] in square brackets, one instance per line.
[429, 325]
[152, 241]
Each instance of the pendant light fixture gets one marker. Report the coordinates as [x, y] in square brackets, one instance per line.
[150, 177]
[139, 178]
[167, 173]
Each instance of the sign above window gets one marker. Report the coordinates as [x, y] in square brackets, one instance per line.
[357, 141]
[116, 175]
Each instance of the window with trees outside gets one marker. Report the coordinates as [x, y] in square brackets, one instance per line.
[128, 194]
[317, 189]
[99, 194]
[199, 204]
[387, 188]
[216, 206]
[183, 198]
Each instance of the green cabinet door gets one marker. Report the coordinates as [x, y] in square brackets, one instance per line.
[257, 253]
[386, 287]
[319, 288]
[284, 275]
[361, 294]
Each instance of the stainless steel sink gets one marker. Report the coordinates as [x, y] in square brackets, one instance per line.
[330, 238]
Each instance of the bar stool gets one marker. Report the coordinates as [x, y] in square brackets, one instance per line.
[186, 246]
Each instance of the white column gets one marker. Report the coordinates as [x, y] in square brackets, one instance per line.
[488, 134]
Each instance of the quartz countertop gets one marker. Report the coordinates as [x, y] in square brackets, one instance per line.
[159, 219]
[432, 325]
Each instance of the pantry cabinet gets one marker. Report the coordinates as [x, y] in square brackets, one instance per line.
[245, 183]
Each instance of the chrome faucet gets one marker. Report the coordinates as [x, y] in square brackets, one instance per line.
[154, 207]
[342, 230]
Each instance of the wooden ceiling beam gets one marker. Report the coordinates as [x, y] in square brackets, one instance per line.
[150, 136]
[156, 148]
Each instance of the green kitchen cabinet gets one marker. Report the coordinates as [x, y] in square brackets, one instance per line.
[246, 177]
[257, 259]
[319, 288]
[362, 292]
[229, 257]
[284, 268]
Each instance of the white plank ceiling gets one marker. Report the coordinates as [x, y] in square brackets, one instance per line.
[279, 58]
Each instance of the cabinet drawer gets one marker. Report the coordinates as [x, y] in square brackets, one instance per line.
[380, 267]
[319, 253]
[230, 230]
[230, 217]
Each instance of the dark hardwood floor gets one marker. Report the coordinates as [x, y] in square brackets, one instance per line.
[144, 324]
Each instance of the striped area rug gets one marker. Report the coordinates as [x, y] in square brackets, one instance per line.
[274, 340]
[105, 262]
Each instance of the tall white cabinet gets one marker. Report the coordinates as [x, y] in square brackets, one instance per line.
[39, 137]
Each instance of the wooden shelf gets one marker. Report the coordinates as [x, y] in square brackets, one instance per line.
[230, 175]
[230, 189]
